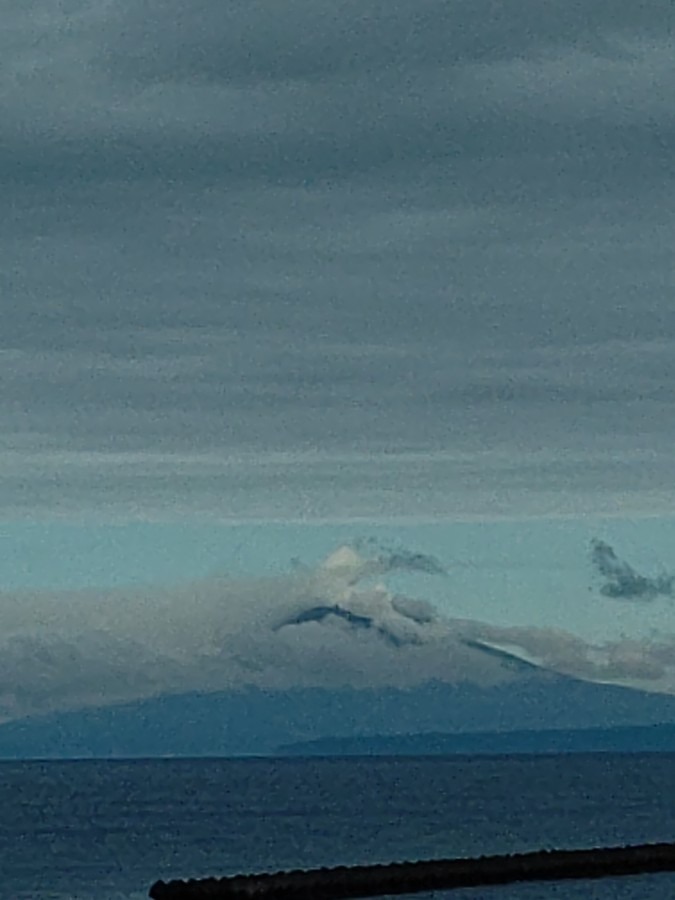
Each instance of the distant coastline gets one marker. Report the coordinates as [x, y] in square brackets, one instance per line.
[630, 739]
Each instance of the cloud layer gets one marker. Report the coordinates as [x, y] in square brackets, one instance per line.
[332, 625]
[387, 258]
[622, 582]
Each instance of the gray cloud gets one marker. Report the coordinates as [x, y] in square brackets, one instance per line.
[93, 648]
[330, 625]
[232, 230]
[622, 582]
[304, 41]
[633, 663]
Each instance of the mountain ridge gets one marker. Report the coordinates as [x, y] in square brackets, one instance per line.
[252, 721]
[657, 738]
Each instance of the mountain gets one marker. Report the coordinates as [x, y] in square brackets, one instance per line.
[257, 722]
[635, 739]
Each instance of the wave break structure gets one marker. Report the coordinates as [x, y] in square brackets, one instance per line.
[428, 875]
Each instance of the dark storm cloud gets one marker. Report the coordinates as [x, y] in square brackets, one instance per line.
[244, 229]
[622, 581]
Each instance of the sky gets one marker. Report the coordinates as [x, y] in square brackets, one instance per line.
[277, 274]
[307, 259]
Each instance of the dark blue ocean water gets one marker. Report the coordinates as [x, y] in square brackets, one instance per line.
[109, 829]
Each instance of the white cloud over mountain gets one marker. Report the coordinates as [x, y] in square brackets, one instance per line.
[336, 624]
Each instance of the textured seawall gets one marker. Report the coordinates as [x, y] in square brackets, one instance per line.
[410, 878]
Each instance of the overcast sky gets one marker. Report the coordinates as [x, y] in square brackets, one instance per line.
[302, 258]
[385, 260]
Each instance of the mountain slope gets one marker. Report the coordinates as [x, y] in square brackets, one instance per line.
[254, 721]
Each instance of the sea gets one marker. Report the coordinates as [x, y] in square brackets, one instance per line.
[108, 829]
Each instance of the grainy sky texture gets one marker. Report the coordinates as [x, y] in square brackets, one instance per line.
[266, 264]
[299, 258]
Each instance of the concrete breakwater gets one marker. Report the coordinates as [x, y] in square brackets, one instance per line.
[427, 875]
